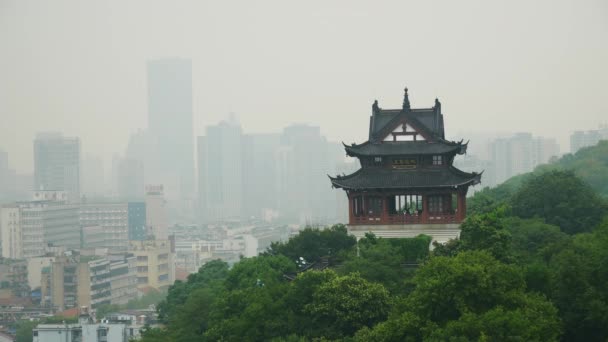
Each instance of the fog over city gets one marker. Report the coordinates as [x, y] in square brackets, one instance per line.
[80, 67]
[275, 170]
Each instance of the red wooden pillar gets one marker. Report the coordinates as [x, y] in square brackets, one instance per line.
[351, 210]
[462, 206]
[384, 215]
[425, 208]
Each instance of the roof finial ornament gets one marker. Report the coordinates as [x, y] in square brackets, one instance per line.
[375, 107]
[406, 101]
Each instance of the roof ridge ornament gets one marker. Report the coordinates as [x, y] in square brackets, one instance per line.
[406, 101]
[375, 107]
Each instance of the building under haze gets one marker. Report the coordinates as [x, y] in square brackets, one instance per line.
[156, 212]
[580, 139]
[170, 126]
[57, 164]
[27, 227]
[406, 185]
[519, 154]
[301, 164]
[220, 172]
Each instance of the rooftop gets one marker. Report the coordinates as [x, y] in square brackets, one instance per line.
[382, 178]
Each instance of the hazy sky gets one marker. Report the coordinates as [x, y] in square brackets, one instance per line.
[80, 66]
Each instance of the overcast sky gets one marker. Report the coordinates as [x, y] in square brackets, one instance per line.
[79, 67]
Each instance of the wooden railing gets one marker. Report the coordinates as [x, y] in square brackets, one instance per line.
[405, 219]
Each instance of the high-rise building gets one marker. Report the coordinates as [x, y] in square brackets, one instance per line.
[130, 179]
[137, 221]
[580, 139]
[57, 164]
[47, 220]
[259, 174]
[113, 218]
[93, 177]
[302, 165]
[220, 156]
[519, 154]
[170, 126]
[156, 212]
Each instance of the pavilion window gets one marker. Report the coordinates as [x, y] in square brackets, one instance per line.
[436, 204]
[374, 206]
[358, 206]
[438, 160]
[406, 204]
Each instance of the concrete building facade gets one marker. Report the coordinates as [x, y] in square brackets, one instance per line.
[57, 164]
[155, 263]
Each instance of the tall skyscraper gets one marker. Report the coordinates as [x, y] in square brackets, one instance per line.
[259, 174]
[302, 164]
[93, 177]
[57, 164]
[170, 126]
[220, 180]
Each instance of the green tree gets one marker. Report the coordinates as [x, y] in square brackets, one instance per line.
[345, 304]
[471, 296]
[314, 243]
[579, 274]
[212, 274]
[384, 260]
[486, 232]
[560, 198]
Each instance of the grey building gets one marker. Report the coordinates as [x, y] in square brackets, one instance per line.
[580, 139]
[220, 174]
[170, 126]
[57, 164]
[137, 221]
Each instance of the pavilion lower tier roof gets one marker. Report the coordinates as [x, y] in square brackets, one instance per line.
[376, 178]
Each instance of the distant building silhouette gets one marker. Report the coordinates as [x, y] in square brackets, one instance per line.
[220, 172]
[170, 126]
[580, 139]
[57, 164]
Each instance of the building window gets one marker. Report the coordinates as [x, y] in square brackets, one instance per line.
[406, 204]
[374, 206]
[377, 161]
[436, 204]
[358, 206]
[142, 258]
[437, 160]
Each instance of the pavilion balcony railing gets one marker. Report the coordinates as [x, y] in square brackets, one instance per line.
[443, 218]
[406, 219]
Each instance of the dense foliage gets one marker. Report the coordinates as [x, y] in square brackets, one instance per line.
[531, 264]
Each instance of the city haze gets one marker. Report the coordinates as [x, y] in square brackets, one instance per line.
[80, 67]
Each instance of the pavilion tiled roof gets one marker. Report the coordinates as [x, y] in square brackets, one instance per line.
[392, 148]
[382, 178]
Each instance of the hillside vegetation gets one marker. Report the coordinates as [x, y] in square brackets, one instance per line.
[531, 265]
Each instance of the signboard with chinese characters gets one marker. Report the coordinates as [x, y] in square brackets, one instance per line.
[404, 163]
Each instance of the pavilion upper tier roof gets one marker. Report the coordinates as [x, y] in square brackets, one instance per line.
[372, 178]
[394, 148]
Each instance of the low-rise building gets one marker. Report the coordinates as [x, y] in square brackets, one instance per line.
[155, 263]
[13, 279]
[86, 330]
[90, 281]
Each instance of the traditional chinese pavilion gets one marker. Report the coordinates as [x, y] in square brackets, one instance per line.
[407, 184]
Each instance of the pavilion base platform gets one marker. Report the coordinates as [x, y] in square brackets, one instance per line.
[440, 232]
